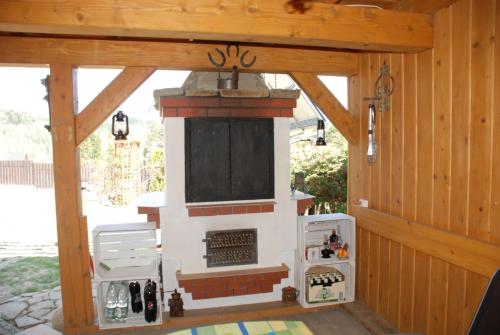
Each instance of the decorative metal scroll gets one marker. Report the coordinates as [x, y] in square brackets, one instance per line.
[231, 247]
[220, 57]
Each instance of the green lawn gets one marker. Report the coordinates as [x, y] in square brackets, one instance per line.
[20, 275]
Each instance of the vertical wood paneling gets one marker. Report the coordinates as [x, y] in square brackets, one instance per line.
[495, 189]
[410, 137]
[442, 117]
[438, 294]
[456, 300]
[383, 292]
[421, 292]
[363, 263]
[396, 138]
[424, 137]
[384, 159]
[374, 271]
[407, 268]
[439, 153]
[482, 16]
[460, 116]
[355, 184]
[394, 282]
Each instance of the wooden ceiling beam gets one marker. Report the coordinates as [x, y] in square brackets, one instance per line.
[422, 6]
[169, 55]
[256, 21]
[99, 109]
[341, 118]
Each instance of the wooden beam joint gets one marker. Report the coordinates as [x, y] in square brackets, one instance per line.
[320, 95]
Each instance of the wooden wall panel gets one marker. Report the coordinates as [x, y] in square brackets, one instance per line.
[383, 297]
[439, 152]
[441, 119]
[495, 194]
[424, 136]
[396, 139]
[482, 30]
[410, 137]
[460, 116]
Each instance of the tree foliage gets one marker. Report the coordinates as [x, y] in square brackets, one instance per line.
[325, 171]
[157, 165]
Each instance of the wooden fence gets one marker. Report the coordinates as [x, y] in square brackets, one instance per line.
[41, 175]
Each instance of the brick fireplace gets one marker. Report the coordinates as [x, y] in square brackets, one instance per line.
[227, 169]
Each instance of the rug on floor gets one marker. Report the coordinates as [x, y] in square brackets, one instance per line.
[250, 328]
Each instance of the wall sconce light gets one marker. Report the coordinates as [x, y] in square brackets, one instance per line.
[372, 142]
[320, 137]
[119, 126]
[384, 86]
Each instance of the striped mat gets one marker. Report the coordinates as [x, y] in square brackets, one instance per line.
[250, 328]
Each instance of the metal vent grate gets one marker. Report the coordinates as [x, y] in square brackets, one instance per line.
[231, 247]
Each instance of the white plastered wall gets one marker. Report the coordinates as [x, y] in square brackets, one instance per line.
[182, 246]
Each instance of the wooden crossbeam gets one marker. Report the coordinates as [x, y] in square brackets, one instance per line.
[422, 6]
[259, 21]
[170, 55]
[343, 120]
[109, 99]
[72, 235]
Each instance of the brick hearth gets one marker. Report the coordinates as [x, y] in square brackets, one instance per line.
[226, 107]
[232, 283]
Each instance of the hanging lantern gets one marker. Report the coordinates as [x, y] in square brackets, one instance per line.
[119, 126]
[320, 137]
[371, 153]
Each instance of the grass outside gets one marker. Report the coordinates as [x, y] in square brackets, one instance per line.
[20, 275]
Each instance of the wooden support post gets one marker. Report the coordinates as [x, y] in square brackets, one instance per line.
[343, 120]
[71, 226]
[109, 99]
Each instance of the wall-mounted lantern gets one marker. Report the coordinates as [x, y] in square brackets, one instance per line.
[372, 142]
[119, 126]
[384, 86]
[320, 137]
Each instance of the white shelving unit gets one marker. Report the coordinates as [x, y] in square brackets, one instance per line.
[125, 252]
[313, 230]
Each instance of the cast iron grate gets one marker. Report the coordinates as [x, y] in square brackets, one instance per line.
[231, 247]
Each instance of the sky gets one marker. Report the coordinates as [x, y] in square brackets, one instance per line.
[21, 90]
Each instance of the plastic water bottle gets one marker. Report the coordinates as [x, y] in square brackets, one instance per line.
[111, 302]
[122, 304]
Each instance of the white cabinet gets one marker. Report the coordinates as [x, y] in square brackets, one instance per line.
[324, 279]
[125, 253]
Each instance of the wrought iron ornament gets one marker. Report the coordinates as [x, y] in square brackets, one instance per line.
[224, 56]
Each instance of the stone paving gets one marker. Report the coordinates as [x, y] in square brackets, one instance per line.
[30, 313]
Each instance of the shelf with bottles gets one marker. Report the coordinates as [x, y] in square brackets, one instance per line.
[326, 243]
[115, 304]
[327, 239]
